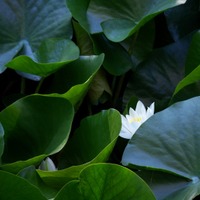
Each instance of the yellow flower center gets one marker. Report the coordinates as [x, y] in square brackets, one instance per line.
[135, 119]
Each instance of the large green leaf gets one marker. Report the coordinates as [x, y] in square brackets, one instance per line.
[169, 142]
[14, 187]
[57, 179]
[188, 91]
[117, 19]
[189, 86]
[106, 182]
[25, 24]
[51, 55]
[1, 140]
[193, 77]
[31, 175]
[34, 126]
[92, 140]
[72, 82]
[91, 143]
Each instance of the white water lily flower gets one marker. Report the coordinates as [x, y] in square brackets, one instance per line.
[134, 119]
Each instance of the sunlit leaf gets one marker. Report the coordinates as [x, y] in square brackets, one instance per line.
[92, 140]
[14, 187]
[91, 143]
[57, 179]
[34, 126]
[106, 181]
[31, 175]
[117, 20]
[193, 77]
[51, 55]
[73, 81]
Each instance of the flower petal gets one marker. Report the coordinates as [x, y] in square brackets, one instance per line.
[150, 110]
[125, 134]
[125, 124]
[128, 129]
[152, 107]
[134, 126]
[140, 109]
[132, 112]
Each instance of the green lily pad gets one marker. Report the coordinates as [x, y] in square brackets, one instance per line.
[51, 56]
[57, 179]
[72, 81]
[117, 19]
[34, 126]
[14, 187]
[30, 174]
[27, 23]
[106, 181]
[91, 143]
[169, 142]
[193, 77]
[92, 139]
[117, 30]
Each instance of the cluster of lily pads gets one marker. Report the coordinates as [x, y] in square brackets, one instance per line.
[99, 99]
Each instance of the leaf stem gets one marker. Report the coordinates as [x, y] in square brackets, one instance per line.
[39, 85]
[23, 85]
